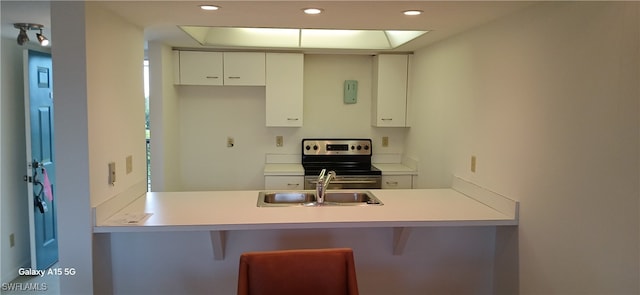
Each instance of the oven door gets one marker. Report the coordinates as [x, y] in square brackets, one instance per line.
[347, 182]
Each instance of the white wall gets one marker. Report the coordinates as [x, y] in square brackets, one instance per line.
[13, 190]
[209, 114]
[547, 99]
[435, 261]
[163, 121]
[99, 104]
[72, 152]
[115, 55]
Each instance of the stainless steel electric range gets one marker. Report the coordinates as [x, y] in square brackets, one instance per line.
[349, 158]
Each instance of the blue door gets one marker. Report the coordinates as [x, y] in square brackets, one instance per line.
[41, 174]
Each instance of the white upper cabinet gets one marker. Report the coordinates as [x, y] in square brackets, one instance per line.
[244, 68]
[218, 68]
[284, 89]
[200, 68]
[389, 93]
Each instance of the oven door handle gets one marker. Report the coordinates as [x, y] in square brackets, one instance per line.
[349, 181]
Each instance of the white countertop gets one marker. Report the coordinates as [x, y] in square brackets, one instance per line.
[395, 169]
[237, 210]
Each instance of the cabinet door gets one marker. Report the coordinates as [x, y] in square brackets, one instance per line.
[244, 68]
[284, 89]
[397, 182]
[200, 68]
[284, 182]
[389, 94]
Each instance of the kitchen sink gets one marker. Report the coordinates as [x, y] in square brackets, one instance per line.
[308, 198]
[287, 197]
[351, 198]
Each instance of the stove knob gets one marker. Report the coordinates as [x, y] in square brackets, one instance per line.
[366, 147]
[353, 147]
[359, 147]
[315, 147]
[307, 147]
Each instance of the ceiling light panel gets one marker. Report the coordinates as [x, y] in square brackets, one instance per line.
[300, 38]
[398, 38]
[343, 39]
[252, 37]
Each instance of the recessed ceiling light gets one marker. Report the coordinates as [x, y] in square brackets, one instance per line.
[412, 12]
[312, 10]
[209, 7]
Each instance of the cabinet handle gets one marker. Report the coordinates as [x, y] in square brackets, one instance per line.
[212, 77]
[293, 119]
[293, 184]
[386, 119]
[394, 183]
[234, 77]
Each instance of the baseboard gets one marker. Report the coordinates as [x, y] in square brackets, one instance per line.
[12, 275]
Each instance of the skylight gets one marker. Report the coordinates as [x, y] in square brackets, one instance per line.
[300, 38]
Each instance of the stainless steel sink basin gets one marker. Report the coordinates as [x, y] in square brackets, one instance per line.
[354, 198]
[308, 198]
[285, 198]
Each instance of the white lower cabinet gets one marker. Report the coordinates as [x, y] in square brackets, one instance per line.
[397, 181]
[284, 182]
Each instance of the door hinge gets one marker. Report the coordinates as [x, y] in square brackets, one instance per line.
[28, 179]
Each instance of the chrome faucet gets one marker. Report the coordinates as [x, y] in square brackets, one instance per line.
[322, 184]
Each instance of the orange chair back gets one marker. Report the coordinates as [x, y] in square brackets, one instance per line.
[298, 272]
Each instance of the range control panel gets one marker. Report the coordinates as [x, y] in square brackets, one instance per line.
[336, 147]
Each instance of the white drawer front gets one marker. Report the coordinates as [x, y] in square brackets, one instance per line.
[284, 182]
[397, 182]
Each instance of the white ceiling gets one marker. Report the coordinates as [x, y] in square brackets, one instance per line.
[160, 19]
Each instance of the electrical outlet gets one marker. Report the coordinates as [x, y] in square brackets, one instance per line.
[12, 240]
[279, 141]
[230, 142]
[112, 173]
[129, 164]
[385, 141]
[473, 164]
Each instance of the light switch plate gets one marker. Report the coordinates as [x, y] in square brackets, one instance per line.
[279, 141]
[385, 141]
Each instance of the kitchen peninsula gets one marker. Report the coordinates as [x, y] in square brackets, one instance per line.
[219, 212]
